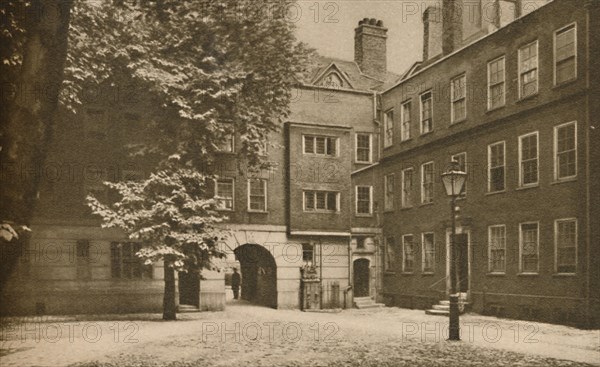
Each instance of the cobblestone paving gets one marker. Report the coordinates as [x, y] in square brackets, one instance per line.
[247, 335]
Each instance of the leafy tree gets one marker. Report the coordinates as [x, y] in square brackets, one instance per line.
[171, 214]
[209, 68]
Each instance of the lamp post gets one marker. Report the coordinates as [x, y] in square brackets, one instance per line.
[454, 180]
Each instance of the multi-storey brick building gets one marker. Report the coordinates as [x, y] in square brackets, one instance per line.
[296, 214]
[510, 92]
[515, 106]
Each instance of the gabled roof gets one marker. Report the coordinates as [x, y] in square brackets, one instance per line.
[350, 72]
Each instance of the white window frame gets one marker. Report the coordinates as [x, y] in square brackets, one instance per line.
[423, 183]
[265, 186]
[464, 192]
[370, 160]
[403, 197]
[424, 253]
[388, 142]
[537, 81]
[421, 111]
[337, 201]
[403, 129]
[490, 268]
[556, 222]
[574, 26]
[489, 81]
[315, 136]
[404, 270]
[453, 119]
[537, 136]
[370, 213]
[489, 167]
[521, 248]
[555, 152]
[386, 199]
[232, 192]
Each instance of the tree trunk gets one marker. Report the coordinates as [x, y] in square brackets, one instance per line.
[31, 106]
[169, 304]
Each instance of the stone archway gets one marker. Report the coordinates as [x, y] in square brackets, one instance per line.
[361, 278]
[259, 274]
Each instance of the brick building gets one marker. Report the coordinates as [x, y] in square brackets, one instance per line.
[514, 104]
[508, 88]
[298, 213]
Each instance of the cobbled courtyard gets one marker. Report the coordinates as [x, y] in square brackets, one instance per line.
[247, 335]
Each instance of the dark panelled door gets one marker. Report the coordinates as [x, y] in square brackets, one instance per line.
[361, 278]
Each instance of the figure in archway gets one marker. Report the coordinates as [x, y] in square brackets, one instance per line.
[235, 283]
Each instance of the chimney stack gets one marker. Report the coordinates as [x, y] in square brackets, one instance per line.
[452, 24]
[370, 48]
[432, 32]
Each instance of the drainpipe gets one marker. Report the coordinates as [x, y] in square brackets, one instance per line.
[588, 131]
[320, 274]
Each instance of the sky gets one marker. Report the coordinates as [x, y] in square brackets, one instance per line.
[328, 26]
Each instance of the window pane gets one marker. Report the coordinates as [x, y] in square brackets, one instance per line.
[332, 201]
[529, 247]
[309, 200]
[408, 256]
[363, 148]
[497, 262]
[566, 246]
[428, 252]
[363, 203]
[320, 145]
[566, 151]
[321, 204]
[407, 178]
[258, 195]
[309, 144]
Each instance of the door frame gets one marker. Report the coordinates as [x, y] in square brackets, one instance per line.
[459, 230]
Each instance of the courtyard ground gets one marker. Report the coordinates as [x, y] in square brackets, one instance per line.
[247, 335]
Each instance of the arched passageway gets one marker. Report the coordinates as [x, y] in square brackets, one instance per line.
[259, 275]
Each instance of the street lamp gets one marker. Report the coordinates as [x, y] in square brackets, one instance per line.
[454, 180]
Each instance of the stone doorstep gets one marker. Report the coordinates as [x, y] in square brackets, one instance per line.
[187, 308]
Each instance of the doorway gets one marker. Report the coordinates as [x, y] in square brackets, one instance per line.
[189, 289]
[361, 278]
[463, 258]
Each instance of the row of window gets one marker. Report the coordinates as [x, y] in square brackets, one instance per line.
[565, 249]
[565, 167]
[124, 264]
[329, 146]
[257, 194]
[565, 70]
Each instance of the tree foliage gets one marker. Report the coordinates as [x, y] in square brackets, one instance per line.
[204, 62]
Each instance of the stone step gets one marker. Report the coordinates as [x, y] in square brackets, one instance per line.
[370, 305]
[438, 312]
[188, 308]
[441, 307]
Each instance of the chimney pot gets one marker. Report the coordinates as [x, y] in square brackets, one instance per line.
[372, 21]
[380, 23]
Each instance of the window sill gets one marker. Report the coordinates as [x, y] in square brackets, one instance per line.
[258, 211]
[362, 162]
[528, 274]
[425, 204]
[458, 122]
[521, 188]
[363, 215]
[564, 84]
[564, 275]
[564, 180]
[388, 147]
[428, 273]
[496, 274]
[495, 193]
[320, 155]
[387, 211]
[407, 273]
[389, 272]
[494, 109]
[530, 97]
[225, 210]
[406, 140]
[407, 207]
[427, 133]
